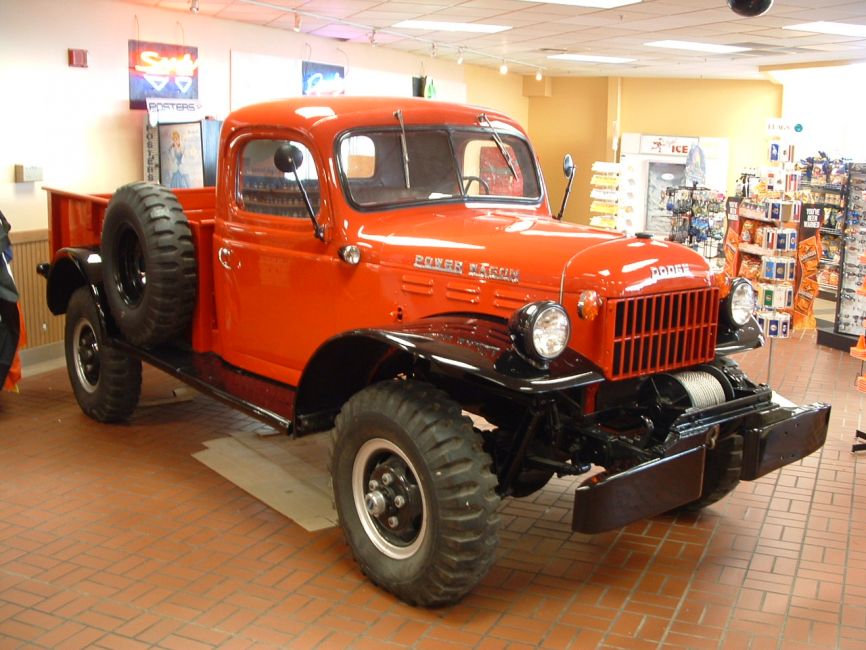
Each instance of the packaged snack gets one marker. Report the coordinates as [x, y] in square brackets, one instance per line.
[810, 254]
[750, 267]
[747, 234]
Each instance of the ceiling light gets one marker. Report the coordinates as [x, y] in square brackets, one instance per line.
[297, 25]
[538, 75]
[595, 4]
[837, 29]
[442, 26]
[712, 48]
[193, 6]
[459, 56]
[503, 69]
[590, 58]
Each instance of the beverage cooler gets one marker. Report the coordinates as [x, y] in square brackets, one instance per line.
[650, 164]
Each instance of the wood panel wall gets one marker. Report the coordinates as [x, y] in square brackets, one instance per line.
[29, 248]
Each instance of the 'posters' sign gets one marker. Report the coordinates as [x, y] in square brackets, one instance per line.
[161, 70]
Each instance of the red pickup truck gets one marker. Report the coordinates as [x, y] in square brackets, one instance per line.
[386, 267]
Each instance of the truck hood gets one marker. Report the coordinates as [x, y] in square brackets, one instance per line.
[541, 253]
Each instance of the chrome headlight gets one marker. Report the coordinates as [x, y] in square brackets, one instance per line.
[741, 302]
[540, 330]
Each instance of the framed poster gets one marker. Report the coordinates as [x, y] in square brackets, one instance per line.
[322, 79]
[161, 70]
[181, 162]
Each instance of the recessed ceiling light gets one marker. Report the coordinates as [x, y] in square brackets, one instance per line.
[824, 27]
[712, 48]
[443, 26]
[595, 4]
[590, 58]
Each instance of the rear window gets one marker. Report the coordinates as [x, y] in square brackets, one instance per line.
[264, 189]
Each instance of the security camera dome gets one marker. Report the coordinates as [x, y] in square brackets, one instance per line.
[750, 8]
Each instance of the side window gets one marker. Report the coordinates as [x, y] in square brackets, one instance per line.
[486, 172]
[264, 189]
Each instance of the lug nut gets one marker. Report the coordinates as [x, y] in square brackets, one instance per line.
[373, 485]
[393, 521]
[387, 478]
[399, 501]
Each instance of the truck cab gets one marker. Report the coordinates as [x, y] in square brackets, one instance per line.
[389, 270]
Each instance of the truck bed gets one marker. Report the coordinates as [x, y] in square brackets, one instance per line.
[75, 220]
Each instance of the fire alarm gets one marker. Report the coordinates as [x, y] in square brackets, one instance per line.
[77, 58]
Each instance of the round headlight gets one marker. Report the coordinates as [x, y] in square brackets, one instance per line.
[741, 302]
[540, 330]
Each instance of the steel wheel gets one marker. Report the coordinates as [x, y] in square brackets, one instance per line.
[389, 499]
[85, 353]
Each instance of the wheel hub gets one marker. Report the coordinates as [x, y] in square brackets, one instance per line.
[392, 499]
[86, 353]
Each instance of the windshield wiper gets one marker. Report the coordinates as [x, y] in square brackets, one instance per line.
[399, 115]
[483, 118]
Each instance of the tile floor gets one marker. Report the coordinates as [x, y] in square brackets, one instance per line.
[116, 537]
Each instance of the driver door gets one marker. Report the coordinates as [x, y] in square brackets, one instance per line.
[271, 273]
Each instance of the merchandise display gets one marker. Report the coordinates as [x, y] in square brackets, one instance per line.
[428, 257]
[605, 208]
[851, 306]
[697, 220]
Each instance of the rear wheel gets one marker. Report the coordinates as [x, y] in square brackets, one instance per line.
[414, 492]
[106, 382]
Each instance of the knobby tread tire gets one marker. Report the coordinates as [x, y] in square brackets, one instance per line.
[721, 474]
[462, 531]
[167, 300]
[119, 385]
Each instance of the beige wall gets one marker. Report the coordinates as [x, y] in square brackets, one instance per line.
[736, 110]
[571, 120]
[486, 87]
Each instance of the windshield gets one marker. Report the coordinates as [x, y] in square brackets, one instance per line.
[444, 164]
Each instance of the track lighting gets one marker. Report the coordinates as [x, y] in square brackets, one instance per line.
[297, 25]
[503, 69]
[193, 6]
[459, 56]
[538, 75]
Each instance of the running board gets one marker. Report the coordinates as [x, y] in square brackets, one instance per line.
[264, 399]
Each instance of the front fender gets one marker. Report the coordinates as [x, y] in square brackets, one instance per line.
[466, 347]
[71, 268]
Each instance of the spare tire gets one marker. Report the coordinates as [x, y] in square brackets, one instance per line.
[148, 264]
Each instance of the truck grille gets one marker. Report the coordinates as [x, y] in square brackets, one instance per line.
[648, 334]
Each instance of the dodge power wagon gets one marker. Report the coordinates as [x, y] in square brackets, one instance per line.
[390, 269]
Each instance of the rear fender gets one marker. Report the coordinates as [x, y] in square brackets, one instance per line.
[467, 348]
[72, 268]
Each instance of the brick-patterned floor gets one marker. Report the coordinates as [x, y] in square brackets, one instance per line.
[115, 537]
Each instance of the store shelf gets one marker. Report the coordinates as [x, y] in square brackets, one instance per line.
[831, 188]
[829, 262]
[831, 231]
[754, 249]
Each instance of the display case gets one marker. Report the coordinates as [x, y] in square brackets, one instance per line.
[851, 306]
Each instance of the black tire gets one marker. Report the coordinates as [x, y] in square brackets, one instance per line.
[106, 382]
[149, 267]
[444, 535]
[722, 471]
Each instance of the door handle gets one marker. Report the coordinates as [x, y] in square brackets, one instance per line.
[223, 255]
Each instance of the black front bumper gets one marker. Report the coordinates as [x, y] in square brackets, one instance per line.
[773, 436]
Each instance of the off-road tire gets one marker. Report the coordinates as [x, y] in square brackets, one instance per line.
[106, 382]
[722, 471]
[148, 262]
[449, 542]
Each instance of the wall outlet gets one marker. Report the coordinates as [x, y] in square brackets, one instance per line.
[28, 173]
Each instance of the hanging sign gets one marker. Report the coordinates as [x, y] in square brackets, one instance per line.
[666, 145]
[173, 111]
[161, 70]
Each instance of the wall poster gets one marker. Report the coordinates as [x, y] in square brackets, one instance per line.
[180, 150]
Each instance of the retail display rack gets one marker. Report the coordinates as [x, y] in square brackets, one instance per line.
[851, 302]
[697, 220]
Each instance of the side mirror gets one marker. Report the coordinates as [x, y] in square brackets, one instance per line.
[568, 166]
[569, 169]
[287, 158]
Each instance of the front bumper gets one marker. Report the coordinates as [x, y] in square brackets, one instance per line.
[773, 436]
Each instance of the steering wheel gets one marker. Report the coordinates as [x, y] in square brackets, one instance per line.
[467, 182]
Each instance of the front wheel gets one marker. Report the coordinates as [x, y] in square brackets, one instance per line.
[414, 492]
[106, 382]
